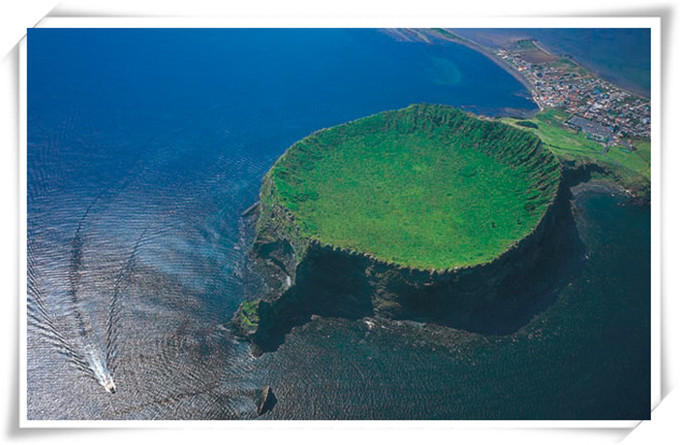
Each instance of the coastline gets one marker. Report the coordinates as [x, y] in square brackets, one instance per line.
[591, 67]
[631, 188]
[600, 186]
[450, 36]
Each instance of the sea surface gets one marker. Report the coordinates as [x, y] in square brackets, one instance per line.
[144, 148]
[619, 55]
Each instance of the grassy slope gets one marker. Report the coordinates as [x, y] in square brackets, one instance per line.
[567, 65]
[632, 168]
[424, 198]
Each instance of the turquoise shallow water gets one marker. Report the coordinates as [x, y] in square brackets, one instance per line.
[144, 147]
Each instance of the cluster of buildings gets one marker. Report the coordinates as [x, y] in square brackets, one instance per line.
[602, 111]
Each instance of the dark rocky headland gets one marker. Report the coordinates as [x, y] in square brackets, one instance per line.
[304, 277]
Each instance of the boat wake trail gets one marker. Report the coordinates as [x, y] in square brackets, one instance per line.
[114, 312]
[92, 353]
[99, 369]
[99, 360]
[134, 287]
[46, 325]
[84, 349]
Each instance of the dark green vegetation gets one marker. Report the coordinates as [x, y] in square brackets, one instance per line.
[527, 124]
[248, 315]
[428, 186]
[630, 169]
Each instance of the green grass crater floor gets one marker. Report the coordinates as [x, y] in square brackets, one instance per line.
[417, 194]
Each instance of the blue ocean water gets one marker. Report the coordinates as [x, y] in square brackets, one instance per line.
[586, 356]
[620, 55]
[144, 147]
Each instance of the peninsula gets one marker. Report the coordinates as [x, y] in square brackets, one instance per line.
[418, 213]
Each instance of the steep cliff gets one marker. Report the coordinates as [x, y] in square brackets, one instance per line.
[307, 275]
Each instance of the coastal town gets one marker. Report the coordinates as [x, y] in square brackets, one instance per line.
[602, 111]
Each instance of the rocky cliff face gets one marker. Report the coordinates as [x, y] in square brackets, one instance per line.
[306, 278]
[577, 172]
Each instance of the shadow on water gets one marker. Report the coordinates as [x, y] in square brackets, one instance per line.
[523, 296]
[539, 286]
[320, 291]
[331, 286]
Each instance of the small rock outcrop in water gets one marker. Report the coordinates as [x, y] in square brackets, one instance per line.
[266, 400]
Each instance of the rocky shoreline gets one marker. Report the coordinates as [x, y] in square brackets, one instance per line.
[494, 298]
[306, 279]
[579, 173]
[303, 277]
